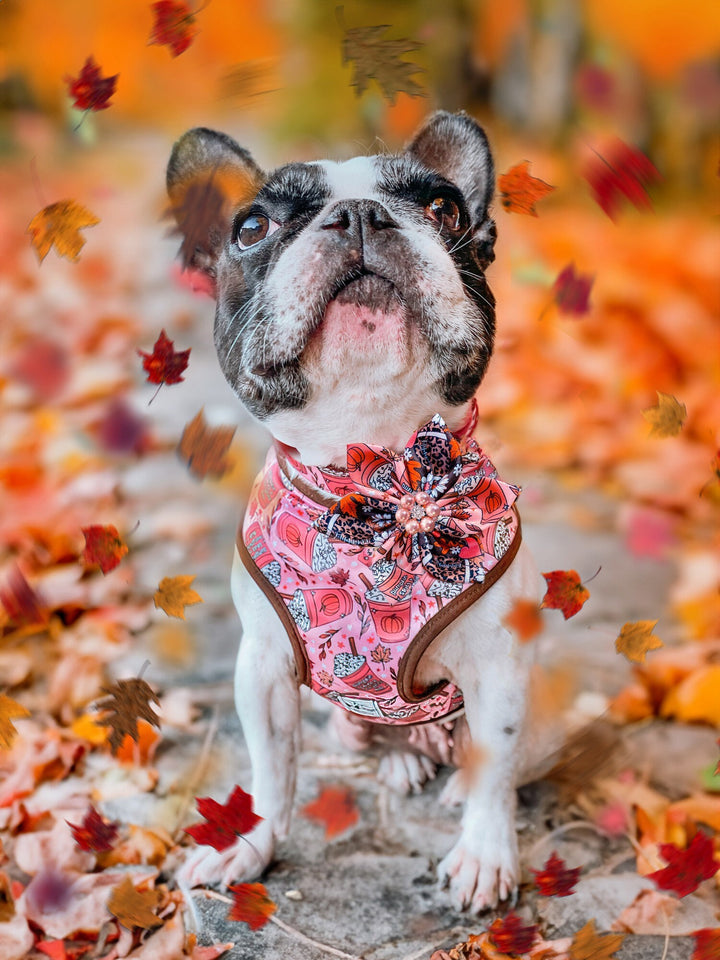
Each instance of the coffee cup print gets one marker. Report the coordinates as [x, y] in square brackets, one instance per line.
[392, 620]
[355, 671]
[396, 584]
[315, 608]
[270, 487]
[375, 471]
[310, 546]
[257, 548]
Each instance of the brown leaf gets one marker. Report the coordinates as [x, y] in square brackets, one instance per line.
[666, 417]
[58, 225]
[204, 448]
[376, 58]
[133, 908]
[589, 945]
[128, 701]
[174, 594]
[636, 639]
[9, 710]
[7, 902]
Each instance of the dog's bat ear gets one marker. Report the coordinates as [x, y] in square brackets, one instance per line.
[208, 177]
[455, 146]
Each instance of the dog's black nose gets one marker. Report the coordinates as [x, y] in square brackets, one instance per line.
[357, 217]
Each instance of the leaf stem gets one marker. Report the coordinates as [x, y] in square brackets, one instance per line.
[593, 576]
[155, 394]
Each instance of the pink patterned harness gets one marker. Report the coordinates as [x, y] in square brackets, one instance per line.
[365, 566]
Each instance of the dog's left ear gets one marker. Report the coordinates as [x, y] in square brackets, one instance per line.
[455, 146]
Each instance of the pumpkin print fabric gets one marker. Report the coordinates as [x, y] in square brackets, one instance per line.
[367, 565]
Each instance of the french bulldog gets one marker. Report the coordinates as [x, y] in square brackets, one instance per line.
[353, 313]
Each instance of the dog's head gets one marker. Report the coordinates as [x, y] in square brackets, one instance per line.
[352, 302]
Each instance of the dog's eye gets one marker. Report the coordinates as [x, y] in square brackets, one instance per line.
[444, 212]
[255, 228]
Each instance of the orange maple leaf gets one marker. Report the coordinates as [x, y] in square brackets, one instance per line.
[9, 710]
[59, 225]
[174, 594]
[204, 448]
[666, 417]
[103, 546]
[251, 905]
[707, 944]
[525, 619]
[132, 907]
[565, 592]
[588, 944]
[519, 192]
[636, 639]
[335, 808]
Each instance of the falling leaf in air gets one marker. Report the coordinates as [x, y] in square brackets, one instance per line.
[9, 710]
[174, 26]
[127, 702]
[571, 291]
[588, 944]
[94, 832]
[687, 868]
[510, 935]
[7, 901]
[225, 821]
[251, 905]
[555, 879]
[23, 604]
[525, 619]
[59, 225]
[667, 417]
[103, 546]
[133, 908]
[174, 594]
[335, 808]
[636, 639]
[165, 364]
[623, 174]
[374, 57]
[90, 90]
[519, 192]
[204, 448]
[707, 944]
[565, 592]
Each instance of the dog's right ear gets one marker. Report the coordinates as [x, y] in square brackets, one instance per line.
[208, 177]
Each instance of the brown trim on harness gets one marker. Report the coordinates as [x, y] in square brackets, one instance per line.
[301, 662]
[443, 618]
[301, 483]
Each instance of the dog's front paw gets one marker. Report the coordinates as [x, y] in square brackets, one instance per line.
[245, 860]
[405, 772]
[482, 873]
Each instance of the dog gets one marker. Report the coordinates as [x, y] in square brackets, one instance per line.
[381, 553]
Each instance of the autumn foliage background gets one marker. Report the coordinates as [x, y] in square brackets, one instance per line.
[557, 84]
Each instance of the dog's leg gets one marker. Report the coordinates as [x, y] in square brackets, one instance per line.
[268, 704]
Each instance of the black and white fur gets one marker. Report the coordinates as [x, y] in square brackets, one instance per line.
[359, 315]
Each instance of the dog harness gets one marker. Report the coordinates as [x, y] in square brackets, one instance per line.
[365, 566]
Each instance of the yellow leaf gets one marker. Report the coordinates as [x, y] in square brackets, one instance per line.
[174, 594]
[87, 728]
[9, 710]
[697, 697]
[587, 944]
[636, 639]
[667, 417]
[59, 224]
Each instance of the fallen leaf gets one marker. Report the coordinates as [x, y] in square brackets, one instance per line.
[374, 57]
[571, 291]
[649, 913]
[59, 225]
[23, 604]
[86, 727]
[565, 592]
[126, 703]
[174, 26]
[9, 710]
[621, 175]
[90, 90]
[555, 879]
[7, 901]
[687, 868]
[335, 808]
[636, 639]
[53, 948]
[140, 749]
[525, 619]
[707, 944]
[510, 935]
[519, 192]
[103, 546]
[667, 417]
[164, 364]
[133, 908]
[204, 448]
[174, 594]
[225, 822]
[210, 953]
[587, 944]
[94, 833]
[43, 365]
[251, 905]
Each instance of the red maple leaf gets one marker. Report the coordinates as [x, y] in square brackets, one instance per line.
[340, 577]
[91, 91]
[173, 26]
[555, 879]
[571, 291]
[707, 944]
[564, 592]
[103, 546]
[23, 604]
[687, 868]
[225, 822]
[94, 833]
[164, 364]
[511, 935]
[623, 174]
[251, 905]
[334, 808]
